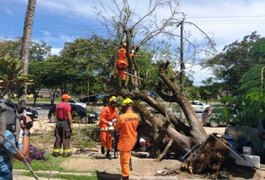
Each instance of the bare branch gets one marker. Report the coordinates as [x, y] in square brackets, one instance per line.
[210, 41]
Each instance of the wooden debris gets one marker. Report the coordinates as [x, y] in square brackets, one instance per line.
[208, 157]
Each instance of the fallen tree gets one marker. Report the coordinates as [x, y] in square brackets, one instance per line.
[168, 131]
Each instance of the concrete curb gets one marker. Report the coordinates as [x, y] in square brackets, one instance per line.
[17, 175]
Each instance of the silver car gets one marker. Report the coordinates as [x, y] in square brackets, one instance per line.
[198, 106]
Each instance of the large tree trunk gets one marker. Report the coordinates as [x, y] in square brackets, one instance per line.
[24, 53]
[184, 136]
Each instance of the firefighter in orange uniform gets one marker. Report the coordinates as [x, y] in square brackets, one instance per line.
[127, 124]
[108, 114]
[122, 62]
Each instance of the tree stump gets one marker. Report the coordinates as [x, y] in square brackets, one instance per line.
[208, 157]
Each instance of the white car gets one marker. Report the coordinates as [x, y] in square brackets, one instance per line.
[73, 101]
[198, 106]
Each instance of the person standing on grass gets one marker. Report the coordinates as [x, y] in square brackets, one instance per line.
[63, 128]
[127, 124]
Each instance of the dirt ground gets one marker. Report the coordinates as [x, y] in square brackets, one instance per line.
[94, 161]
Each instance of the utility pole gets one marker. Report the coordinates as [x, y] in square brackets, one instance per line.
[182, 65]
[261, 82]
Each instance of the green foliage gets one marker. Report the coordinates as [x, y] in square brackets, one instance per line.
[234, 61]
[84, 137]
[226, 100]
[251, 79]
[193, 93]
[88, 63]
[258, 50]
[251, 102]
[11, 79]
[39, 51]
[11, 66]
[10, 47]
[222, 114]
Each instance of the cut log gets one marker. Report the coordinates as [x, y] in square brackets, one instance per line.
[208, 156]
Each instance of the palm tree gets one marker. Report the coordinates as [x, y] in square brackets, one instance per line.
[26, 39]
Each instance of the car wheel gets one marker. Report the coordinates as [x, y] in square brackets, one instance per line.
[214, 124]
[84, 120]
[90, 120]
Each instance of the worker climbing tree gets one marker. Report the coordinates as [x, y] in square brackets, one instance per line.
[122, 63]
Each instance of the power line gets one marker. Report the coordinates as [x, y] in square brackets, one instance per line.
[218, 17]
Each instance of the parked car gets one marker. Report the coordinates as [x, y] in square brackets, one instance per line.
[73, 101]
[215, 116]
[198, 106]
[89, 99]
[250, 134]
[79, 114]
[95, 99]
[33, 114]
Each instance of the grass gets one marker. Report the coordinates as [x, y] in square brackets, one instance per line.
[82, 138]
[51, 164]
[65, 176]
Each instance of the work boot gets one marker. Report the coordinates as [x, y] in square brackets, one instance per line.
[56, 154]
[125, 178]
[108, 155]
[102, 150]
[130, 165]
[67, 154]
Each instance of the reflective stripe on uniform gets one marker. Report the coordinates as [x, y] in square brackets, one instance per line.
[67, 151]
[56, 150]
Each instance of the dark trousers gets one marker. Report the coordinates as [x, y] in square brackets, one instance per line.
[62, 135]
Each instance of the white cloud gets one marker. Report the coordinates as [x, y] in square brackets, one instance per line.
[198, 73]
[228, 20]
[55, 51]
[65, 38]
[80, 8]
[8, 11]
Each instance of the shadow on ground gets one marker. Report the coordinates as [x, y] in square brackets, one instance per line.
[108, 176]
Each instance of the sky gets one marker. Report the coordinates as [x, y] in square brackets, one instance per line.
[60, 21]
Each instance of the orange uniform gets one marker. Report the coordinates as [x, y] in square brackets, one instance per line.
[108, 113]
[121, 63]
[126, 125]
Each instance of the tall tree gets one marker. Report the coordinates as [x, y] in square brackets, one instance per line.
[236, 58]
[26, 39]
[183, 134]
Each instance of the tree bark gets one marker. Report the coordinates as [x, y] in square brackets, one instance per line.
[183, 135]
[208, 157]
[24, 53]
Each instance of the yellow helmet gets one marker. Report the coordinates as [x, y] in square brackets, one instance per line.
[113, 99]
[124, 44]
[127, 101]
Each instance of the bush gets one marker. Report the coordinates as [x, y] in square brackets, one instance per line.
[35, 153]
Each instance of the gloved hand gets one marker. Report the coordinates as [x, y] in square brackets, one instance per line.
[110, 123]
[111, 128]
